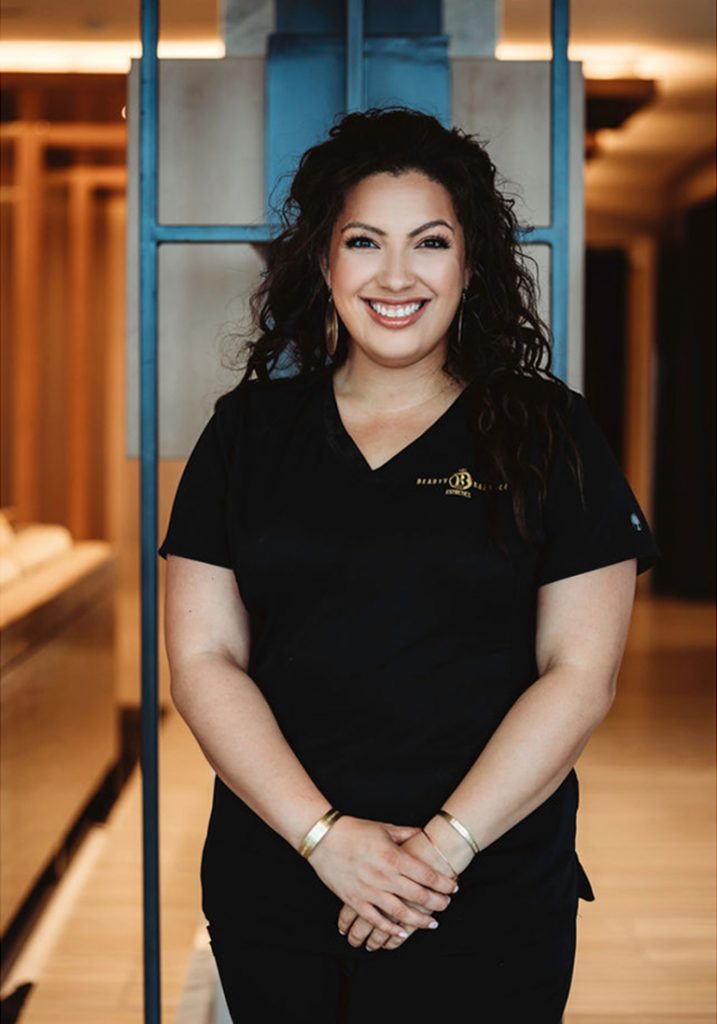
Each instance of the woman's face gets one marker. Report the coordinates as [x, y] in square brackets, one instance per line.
[397, 242]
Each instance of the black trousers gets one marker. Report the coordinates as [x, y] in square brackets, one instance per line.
[526, 981]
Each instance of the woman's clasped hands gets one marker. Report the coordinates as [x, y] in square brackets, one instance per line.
[391, 879]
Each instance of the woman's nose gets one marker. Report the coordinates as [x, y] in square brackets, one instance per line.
[396, 273]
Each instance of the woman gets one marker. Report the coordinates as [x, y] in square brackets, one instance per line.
[399, 588]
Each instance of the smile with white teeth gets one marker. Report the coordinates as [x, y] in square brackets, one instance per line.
[396, 312]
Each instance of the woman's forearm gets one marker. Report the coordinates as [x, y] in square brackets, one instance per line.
[242, 741]
[527, 757]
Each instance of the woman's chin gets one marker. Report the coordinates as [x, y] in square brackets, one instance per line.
[396, 351]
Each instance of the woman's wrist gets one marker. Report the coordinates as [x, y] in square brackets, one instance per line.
[308, 823]
[421, 846]
[438, 858]
[317, 831]
[453, 846]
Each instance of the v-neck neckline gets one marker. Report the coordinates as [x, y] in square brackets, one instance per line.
[345, 444]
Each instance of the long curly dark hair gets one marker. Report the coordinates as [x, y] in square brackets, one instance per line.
[503, 343]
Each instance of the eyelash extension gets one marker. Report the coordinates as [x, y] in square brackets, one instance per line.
[359, 238]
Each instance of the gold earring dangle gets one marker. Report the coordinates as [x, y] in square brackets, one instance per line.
[331, 326]
[460, 316]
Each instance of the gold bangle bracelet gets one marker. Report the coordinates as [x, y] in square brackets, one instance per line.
[461, 830]
[440, 852]
[317, 832]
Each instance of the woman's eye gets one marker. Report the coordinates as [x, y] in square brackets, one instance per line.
[357, 238]
[443, 243]
[352, 243]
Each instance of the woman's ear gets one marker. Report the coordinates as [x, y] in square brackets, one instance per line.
[324, 267]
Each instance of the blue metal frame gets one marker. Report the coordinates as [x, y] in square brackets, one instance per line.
[151, 236]
[355, 91]
[148, 383]
[557, 234]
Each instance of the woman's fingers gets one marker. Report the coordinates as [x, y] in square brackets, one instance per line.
[359, 926]
[359, 862]
[424, 899]
[401, 833]
[362, 934]
[394, 942]
[421, 872]
[357, 929]
[359, 932]
[380, 881]
[347, 916]
[404, 912]
[386, 920]
[408, 908]
[376, 939]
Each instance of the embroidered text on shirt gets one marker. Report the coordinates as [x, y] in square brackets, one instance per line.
[461, 483]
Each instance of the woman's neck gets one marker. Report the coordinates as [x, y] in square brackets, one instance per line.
[393, 389]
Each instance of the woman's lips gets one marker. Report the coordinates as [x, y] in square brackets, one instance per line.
[394, 322]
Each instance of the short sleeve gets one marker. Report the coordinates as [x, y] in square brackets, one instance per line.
[610, 527]
[198, 520]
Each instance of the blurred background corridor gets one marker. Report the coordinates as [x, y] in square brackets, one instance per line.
[641, 348]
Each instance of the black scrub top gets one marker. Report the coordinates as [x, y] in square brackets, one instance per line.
[390, 636]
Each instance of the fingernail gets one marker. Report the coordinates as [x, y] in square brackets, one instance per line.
[404, 935]
[456, 889]
[369, 949]
[433, 924]
[341, 933]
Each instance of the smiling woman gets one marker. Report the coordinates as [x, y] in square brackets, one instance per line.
[397, 592]
[397, 273]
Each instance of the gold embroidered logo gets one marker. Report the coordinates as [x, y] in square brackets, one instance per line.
[461, 483]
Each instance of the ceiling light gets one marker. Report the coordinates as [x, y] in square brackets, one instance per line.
[96, 57]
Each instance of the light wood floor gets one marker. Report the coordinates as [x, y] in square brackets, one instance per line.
[646, 836]
[90, 970]
[646, 831]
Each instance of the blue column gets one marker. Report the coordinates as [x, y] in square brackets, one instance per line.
[148, 501]
[557, 234]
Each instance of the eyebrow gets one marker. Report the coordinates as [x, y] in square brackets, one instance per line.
[411, 234]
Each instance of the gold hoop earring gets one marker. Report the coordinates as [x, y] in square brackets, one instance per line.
[331, 326]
